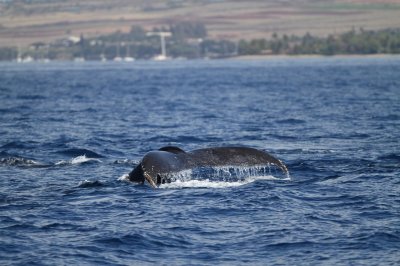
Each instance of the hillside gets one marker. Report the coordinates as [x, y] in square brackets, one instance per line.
[26, 21]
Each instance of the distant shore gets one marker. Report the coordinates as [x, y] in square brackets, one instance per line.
[273, 57]
[233, 58]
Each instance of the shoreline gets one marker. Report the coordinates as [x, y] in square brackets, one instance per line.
[233, 58]
[274, 57]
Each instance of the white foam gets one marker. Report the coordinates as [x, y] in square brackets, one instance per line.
[127, 161]
[89, 183]
[218, 177]
[18, 161]
[124, 177]
[78, 160]
[228, 173]
[206, 183]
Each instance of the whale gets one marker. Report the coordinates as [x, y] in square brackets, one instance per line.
[158, 165]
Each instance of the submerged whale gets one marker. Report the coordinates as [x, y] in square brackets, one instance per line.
[156, 166]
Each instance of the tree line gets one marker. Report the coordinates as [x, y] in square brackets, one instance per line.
[190, 40]
[386, 41]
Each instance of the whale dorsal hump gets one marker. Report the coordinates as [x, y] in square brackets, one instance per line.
[172, 149]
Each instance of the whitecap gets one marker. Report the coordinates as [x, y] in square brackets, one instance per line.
[126, 161]
[124, 178]
[78, 160]
[83, 159]
[89, 183]
[18, 161]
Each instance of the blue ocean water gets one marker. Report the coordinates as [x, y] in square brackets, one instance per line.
[69, 133]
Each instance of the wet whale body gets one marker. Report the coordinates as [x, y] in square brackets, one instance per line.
[157, 166]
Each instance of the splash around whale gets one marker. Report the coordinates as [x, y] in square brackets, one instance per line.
[166, 164]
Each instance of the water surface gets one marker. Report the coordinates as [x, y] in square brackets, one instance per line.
[70, 132]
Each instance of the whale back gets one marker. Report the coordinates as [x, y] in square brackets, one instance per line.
[234, 156]
[172, 149]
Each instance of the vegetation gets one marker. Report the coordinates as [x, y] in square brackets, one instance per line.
[185, 30]
[353, 42]
[8, 53]
[190, 40]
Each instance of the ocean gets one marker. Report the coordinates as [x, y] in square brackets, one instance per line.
[71, 132]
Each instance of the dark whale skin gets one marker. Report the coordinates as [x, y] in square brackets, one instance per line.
[156, 164]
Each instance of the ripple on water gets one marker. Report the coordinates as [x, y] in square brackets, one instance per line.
[333, 121]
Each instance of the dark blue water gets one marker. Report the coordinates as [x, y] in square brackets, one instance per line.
[69, 133]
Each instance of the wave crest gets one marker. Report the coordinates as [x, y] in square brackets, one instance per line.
[18, 161]
[78, 160]
[89, 184]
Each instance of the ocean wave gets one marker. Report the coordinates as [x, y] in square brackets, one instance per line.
[20, 161]
[31, 97]
[78, 160]
[124, 177]
[126, 162]
[390, 157]
[291, 121]
[148, 240]
[78, 152]
[89, 184]
[177, 139]
[19, 145]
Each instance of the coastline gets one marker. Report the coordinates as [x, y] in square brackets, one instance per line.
[274, 57]
[233, 58]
